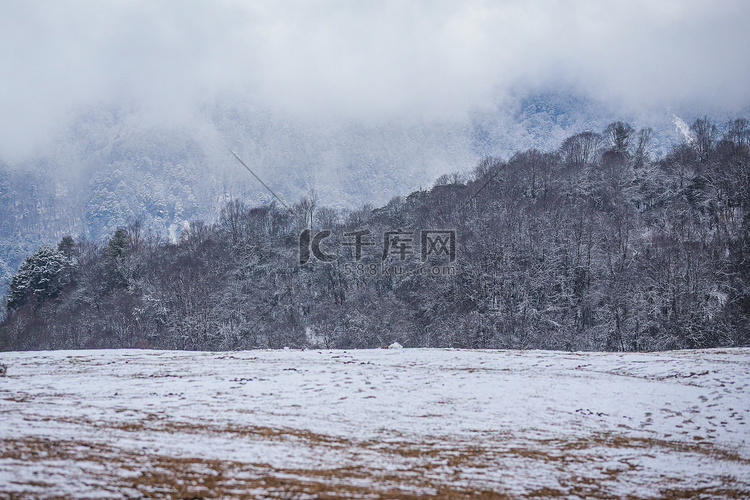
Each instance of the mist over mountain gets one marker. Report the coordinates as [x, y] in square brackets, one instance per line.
[111, 167]
[124, 112]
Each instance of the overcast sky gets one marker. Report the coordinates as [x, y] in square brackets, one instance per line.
[361, 60]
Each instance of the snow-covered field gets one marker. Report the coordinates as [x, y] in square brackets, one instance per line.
[401, 423]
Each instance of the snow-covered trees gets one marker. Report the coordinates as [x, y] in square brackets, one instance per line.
[593, 246]
[41, 276]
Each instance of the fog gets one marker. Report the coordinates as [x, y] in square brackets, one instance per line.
[359, 60]
[359, 101]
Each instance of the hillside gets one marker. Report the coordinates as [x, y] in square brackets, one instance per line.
[595, 246]
[110, 165]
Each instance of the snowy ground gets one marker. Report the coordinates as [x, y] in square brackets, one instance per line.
[405, 423]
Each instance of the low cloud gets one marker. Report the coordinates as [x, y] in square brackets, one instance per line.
[359, 61]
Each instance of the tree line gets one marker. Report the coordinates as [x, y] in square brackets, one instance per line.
[595, 246]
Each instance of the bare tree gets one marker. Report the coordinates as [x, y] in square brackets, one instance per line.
[642, 145]
[705, 134]
[581, 149]
[306, 210]
[738, 132]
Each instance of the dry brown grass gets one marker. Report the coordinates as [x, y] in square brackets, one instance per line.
[157, 476]
[426, 469]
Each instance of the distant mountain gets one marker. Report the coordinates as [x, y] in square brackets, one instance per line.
[543, 120]
[112, 166]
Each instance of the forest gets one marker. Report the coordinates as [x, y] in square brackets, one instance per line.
[594, 246]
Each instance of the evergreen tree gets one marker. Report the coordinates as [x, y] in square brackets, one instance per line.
[42, 275]
[115, 253]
